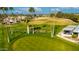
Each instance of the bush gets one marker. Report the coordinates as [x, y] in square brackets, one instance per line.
[44, 25]
[37, 28]
[74, 36]
[74, 19]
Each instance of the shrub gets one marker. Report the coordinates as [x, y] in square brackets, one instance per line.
[74, 19]
[44, 25]
[74, 36]
[37, 28]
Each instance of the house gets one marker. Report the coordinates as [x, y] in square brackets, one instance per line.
[9, 20]
[68, 31]
[76, 31]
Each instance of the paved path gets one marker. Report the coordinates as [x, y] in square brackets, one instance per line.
[68, 39]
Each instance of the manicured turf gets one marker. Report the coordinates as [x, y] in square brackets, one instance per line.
[19, 40]
[1, 40]
[42, 41]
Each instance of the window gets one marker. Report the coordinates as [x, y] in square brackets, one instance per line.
[67, 32]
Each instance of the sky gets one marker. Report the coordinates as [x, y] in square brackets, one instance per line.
[43, 10]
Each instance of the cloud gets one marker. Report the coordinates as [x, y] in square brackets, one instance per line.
[18, 12]
[22, 9]
[52, 9]
[38, 9]
[67, 8]
[55, 9]
[75, 7]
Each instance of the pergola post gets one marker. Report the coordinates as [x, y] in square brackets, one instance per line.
[52, 31]
[33, 30]
[28, 29]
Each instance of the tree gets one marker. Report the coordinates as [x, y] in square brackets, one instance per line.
[31, 10]
[5, 37]
[11, 8]
[51, 15]
[53, 26]
[59, 14]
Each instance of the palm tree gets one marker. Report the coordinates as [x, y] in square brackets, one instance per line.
[31, 10]
[4, 34]
[53, 27]
[5, 37]
[11, 8]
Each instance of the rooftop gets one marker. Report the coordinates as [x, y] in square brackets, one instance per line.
[76, 29]
[70, 27]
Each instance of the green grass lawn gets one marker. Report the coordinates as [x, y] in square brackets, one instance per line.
[1, 42]
[17, 30]
[44, 42]
[19, 40]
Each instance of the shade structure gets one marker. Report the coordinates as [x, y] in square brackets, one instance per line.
[76, 29]
[70, 27]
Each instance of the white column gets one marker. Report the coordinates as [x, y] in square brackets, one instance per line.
[78, 35]
[28, 30]
[33, 30]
